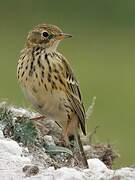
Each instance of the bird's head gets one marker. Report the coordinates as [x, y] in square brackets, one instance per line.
[47, 36]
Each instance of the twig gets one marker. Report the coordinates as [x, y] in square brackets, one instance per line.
[90, 108]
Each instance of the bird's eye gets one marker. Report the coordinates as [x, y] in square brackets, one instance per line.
[45, 34]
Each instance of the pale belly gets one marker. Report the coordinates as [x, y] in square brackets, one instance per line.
[48, 104]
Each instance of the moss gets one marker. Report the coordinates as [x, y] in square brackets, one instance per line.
[20, 129]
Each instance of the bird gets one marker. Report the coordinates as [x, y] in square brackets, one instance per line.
[49, 83]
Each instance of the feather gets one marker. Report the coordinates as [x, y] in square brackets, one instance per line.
[73, 93]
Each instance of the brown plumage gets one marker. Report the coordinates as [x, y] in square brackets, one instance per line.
[49, 82]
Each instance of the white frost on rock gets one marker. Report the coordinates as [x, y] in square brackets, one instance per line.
[63, 173]
[12, 161]
[21, 112]
[10, 147]
[96, 165]
[125, 173]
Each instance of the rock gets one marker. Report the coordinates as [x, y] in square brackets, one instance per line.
[96, 165]
[49, 140]
[19, 163]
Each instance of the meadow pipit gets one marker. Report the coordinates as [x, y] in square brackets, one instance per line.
[49, 82]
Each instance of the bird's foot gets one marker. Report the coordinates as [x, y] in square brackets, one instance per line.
[38, 118]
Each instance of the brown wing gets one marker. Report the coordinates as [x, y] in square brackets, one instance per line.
[73, 94]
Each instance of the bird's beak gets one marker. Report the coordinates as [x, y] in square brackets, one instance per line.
[62, 36]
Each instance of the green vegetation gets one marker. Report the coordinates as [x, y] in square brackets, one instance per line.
[20, 129]
[23, 130]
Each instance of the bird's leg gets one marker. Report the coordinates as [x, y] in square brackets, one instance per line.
[67, 135]
[64, 138]
[71, 130]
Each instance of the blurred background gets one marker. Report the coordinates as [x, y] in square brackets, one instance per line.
[102, 53]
